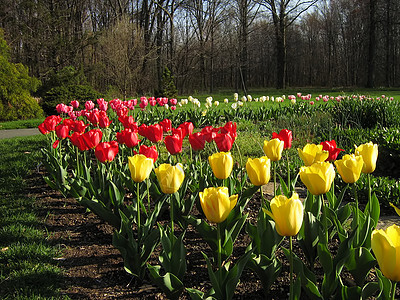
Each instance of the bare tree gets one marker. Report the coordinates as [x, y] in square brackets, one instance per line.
[284, 13]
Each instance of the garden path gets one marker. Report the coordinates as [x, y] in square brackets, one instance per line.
[10, 133]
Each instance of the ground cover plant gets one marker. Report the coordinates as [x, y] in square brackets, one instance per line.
[28, 268]
[106, 159]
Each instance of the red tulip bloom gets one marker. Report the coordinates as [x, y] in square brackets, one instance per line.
[154, 133]
[92, 138]
[330, 146]
[104, 121]
[188, 127]
[77, 140]
[166, 125]
[230, 127]
[49, 124]
[181, 131]
[62, 131]
[93, 117]
[284, 135]
[209, 133]
[224, 141]
[142, 130]
[128, 137]
[173, 144]
[78, 126]
[150, 152]
[197, 141]
[106, 151]
[129, 122]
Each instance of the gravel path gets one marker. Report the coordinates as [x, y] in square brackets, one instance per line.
[10, 133]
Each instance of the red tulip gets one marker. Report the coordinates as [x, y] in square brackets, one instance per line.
[230, 127]
[106, 151]
[128, 122]
[62, 131]
[284, 135]
[188, 127]
[150, 152]
[224, 141]
[78, 126]
[49, 124]
[209, 133]
[179, 131]
[128, 137]
[77, 140]
[197, 141]
[93, 117]
[104, 121]
[142, 130]
[154, 133]
[330, 146]
[166, 125]
[92, 138]
[173, 144]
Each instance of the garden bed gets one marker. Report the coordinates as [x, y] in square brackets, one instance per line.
[94, 269]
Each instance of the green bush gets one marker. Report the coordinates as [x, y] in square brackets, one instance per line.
[65, 94]
[15, 88]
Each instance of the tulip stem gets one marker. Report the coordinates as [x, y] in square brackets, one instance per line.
[356, 213]
[324, 218]
[393, 292]
[288, 175]
[274, 165]
[369, 187]
[262, 196]
[148, 194]
[138, 206]
[219, 260]
[291, 267]
[171, 211]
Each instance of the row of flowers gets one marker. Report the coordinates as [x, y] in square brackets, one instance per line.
[103, 164]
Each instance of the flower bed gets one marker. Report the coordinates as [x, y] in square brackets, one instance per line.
[105, 160]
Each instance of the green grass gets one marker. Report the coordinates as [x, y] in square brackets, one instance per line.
[27, 266]
[33, 123]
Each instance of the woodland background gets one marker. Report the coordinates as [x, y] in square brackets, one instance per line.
[124, 47]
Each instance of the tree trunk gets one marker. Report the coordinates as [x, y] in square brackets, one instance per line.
[371, 46]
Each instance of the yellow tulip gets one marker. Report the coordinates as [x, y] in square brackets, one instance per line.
[140, 167]
[386, 247]
[258, 170]
[312, 153]
[369, 153]
[221, 164]
[216, 203]
[318, 177]
[273, 149]
[287, 214]
[395, 208]
[170, 177]
[349, 167]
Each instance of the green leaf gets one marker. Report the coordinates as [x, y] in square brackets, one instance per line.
[373, 210]
[169, 283]
[359, 263]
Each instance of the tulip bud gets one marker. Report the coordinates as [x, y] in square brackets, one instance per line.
[216, 203]
[349, 167]
[259, 170]
[140, 167]
[287, 214]
[369, 153]
[273, 149]
[221, 164]
[386, 247]
[318, 177]
[170, 177]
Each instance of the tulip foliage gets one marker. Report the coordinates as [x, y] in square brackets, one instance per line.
[129, 172]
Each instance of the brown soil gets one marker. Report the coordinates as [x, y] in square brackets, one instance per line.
[93, 268]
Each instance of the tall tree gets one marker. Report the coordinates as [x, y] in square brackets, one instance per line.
[284, 13]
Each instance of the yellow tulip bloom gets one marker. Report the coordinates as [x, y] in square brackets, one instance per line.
[258, 170]
[312, 153]
[287, 214]
[318, 177]
[170, 177]
[273, 149]
[140, 167]
[369, 153]
[221, 164]
[216, 203]
[386, 247]
[349, 167]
